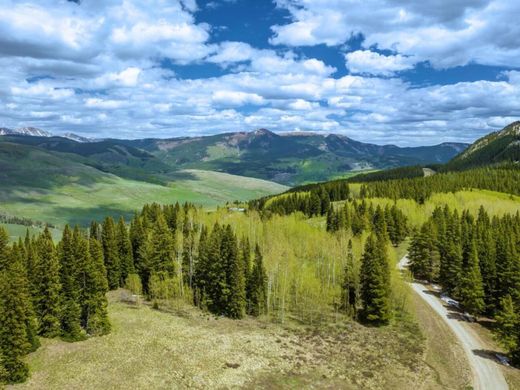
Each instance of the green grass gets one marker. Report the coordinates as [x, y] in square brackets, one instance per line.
[186, 348]
[16, 231]
[80, 203]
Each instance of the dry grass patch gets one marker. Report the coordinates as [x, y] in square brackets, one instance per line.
[185, 348]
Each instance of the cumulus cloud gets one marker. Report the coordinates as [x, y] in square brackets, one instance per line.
[98, 68]
[445, 33]
[371, 63]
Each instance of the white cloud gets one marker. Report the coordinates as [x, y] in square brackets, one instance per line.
[445, 33]
[372, 63]
[98, 68]
[236, 98]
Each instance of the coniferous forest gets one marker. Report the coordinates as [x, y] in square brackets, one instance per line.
[319, 254]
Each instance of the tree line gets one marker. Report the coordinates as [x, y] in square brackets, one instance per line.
[359, 216]
[311, 200]
[475, 260]
[48, 291]
[505, 178]
[170, 253]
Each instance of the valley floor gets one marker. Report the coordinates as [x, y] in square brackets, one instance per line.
[187, 348]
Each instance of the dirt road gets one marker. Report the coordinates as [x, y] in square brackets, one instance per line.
[487, 374]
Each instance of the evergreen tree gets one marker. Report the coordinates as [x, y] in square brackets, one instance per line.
[4, 245]
[95, 312]
[70, 289]
[162, 248]
[125, 251]
[507, 324]
[47, 298]
[95, 230]
[471, 290]
[258, 285]
[14, 342]
[375, 282]
[111, 253]
[235, 291]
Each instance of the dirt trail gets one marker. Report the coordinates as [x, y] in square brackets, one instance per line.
[487, 374]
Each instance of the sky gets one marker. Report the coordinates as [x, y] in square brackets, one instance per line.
[404, 72]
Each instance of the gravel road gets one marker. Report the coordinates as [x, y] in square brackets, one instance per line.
[487, 374]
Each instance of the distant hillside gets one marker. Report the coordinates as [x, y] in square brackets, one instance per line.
[499, 147]
[290, 159]
[57, 187]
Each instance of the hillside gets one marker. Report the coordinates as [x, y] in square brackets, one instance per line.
[499, 147]
[55, 188]
[289, 158]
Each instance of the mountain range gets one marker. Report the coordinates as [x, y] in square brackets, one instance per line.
[289, 158]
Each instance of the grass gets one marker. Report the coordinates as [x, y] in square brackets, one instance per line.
[81, 202]
[16, 231]
[186, 348]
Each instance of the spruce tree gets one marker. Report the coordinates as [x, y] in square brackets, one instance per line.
[47, 298]
[375, 282]
[4, 245]
[111, 253]
[471, 290]
[95, 304]
[70, 289]
[162, 248]
[236, 294]
[14, 341]
[507, 324]
[126, 256]
[258, 284]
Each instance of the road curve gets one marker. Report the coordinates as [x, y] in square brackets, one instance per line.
[487, 374]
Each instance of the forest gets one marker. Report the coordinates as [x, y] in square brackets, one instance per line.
[228, 264]
[475, 260]
[325, 253]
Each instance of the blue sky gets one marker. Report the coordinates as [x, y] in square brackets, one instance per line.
[382, 71]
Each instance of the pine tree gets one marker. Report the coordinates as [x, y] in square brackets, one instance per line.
[95, 230]
[507, 324]
[375, 283]
[70, 291]
[125, 251]
[258, 284]
[4, 253]
[14, 342]
[471, 290]
[24, 292]
[111, 253]
[236, 293]
[95, 312]
[162, 249]
[47, 298]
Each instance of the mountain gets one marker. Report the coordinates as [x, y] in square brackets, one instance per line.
[26, 131]
[78, 138]
[290, 158]
[498, 147]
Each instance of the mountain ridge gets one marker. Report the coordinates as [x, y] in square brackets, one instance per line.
[287, 159]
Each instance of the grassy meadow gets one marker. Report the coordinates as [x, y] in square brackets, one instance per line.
[182, 347]
[80, 202]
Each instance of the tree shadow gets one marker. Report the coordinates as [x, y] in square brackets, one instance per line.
[487, 354]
